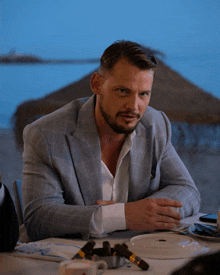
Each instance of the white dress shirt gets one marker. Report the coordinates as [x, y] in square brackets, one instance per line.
[110, 218]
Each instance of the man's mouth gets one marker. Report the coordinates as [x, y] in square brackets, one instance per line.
[132, 115]
[129, 116]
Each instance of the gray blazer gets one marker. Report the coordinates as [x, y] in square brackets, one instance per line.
[62, 169]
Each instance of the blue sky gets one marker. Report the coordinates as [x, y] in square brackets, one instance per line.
[86, 27]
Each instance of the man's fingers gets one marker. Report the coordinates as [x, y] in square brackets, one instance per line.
[168, 202]
[169, 212]
[166, 219]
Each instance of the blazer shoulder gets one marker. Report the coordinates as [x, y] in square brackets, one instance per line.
[154, 117]
[158, 122]
[62, 119]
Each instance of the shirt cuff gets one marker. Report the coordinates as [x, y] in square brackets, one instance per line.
[107, 219]
[113, 217]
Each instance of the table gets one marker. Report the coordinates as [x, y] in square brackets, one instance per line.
[11, 264]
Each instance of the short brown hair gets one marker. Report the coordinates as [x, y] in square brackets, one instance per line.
[136, 54]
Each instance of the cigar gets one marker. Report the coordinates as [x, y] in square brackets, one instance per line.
[85, 251]
[121, 250]
[106, 249]
[125, 246]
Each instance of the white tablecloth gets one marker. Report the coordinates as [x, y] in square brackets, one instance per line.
[51, 252]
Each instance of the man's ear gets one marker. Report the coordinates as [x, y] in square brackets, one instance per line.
[96, 83]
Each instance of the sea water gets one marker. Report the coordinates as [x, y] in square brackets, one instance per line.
[19, 83]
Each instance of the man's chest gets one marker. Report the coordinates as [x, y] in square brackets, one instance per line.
[110, 157]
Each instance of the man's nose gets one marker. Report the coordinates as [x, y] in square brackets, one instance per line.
[132, 103]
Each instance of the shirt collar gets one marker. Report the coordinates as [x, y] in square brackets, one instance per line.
[130, 138]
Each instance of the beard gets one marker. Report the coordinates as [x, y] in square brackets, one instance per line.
[119, 129]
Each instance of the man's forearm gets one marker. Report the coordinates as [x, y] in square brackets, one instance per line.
[53, 220]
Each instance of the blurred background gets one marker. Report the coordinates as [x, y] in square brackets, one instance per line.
[187, 32]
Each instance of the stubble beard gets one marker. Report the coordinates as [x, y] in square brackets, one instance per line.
[119, 129]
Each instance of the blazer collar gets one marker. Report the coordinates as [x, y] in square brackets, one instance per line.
[86, 153]
[86, 124]
[140, 162]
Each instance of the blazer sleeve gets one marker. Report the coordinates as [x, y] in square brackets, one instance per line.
[46, 210]
[9, 227]
[175, 180]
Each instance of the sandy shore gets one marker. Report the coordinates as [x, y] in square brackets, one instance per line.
[204, 169]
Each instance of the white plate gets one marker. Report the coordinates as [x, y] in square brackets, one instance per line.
[192, 231]
[165, 245]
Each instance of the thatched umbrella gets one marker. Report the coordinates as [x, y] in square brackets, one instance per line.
[181, 100]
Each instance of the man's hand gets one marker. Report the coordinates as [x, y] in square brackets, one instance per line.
[103, 202]
[150, 214]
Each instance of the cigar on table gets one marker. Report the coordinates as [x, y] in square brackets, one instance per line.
[85, 251]
[122, 250]
[106, 249]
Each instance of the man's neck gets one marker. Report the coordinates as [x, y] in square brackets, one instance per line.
[111, 145]
[111, 140]
[106, 134]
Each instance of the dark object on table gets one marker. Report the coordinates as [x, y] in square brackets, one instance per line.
[9, 228]
[106, 249]
[114, 257]
[85, 251]
[112, 262]
[206, 230]
[98, 254]
[212, 218]
[201, 265]
[106, 254]
[122, 250]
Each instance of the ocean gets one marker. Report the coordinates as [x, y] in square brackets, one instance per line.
[19, 83]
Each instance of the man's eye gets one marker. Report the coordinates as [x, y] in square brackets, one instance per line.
[122, 90]
[144, 94]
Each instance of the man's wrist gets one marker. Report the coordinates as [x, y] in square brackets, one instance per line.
[128, 212]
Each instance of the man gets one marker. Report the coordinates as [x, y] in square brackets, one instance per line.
[9, 228]
[106, 163]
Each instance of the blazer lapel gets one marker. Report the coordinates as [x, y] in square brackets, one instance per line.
[86, 153]
[140, 165]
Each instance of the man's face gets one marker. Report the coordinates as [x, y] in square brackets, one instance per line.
[123, 96]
